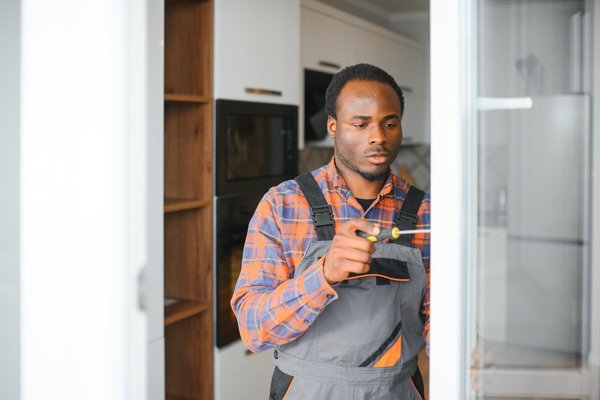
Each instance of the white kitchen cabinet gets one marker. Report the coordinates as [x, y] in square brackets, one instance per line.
[257, 50]
[251, 373]
[369, 47]
[409, 68]
[332, 39]
[325, 44]
[404, 60]
[415, 121]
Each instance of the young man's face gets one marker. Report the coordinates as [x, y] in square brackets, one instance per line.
[367, 130]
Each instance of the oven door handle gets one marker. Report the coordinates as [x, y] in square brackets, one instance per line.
[270, 92]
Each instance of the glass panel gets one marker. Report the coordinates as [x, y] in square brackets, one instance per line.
[533, 135]
[255, 146]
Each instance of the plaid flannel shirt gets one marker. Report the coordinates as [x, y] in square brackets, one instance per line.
[272, 304]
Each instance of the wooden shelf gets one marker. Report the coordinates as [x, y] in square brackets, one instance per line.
[171, 397]
[188, 199]
[186, 1]
[175, 205]
[184, 309]
[187, 98]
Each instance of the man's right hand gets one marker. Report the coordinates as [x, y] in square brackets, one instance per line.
[349, 253]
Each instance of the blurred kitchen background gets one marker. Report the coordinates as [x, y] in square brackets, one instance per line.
[138, 137]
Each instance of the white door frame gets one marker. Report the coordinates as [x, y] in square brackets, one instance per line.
[452, 157]
[594, 358]
[448, 127]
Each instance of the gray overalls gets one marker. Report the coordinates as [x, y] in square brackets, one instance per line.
[364, 345]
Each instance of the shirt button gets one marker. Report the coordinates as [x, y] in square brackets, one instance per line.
[306, 321]
[330, 296]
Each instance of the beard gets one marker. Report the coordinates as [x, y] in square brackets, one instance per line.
[373, 177]
[369, 176]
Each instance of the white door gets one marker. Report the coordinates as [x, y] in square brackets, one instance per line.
[515, 191]
[83, 199]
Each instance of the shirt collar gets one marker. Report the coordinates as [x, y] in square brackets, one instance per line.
[338, 183]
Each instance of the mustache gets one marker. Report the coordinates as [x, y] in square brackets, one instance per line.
[377, 151]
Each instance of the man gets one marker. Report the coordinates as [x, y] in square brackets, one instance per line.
[347, 316]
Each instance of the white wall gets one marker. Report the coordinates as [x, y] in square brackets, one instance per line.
[10, 25]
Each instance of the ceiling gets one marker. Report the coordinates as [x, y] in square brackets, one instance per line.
[407, 17]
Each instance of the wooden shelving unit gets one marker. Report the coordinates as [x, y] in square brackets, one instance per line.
[174, 205]
[187, 98]
[188, 196]
[184, 309]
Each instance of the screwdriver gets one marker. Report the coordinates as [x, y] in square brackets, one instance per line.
[390, 233]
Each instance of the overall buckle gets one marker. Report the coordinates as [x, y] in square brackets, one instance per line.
[322, 216]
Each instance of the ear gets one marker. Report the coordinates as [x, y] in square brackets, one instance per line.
[331, 126]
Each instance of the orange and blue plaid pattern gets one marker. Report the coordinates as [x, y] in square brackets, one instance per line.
[273, 306]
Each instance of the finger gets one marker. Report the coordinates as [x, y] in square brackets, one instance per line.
[356, 267]
[353, 255]
[352, 242]
[359, 224]
[336, 269]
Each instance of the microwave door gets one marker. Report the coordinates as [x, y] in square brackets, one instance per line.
[256, 146]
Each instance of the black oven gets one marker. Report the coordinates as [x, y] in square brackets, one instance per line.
[256, 145]
[233, 214]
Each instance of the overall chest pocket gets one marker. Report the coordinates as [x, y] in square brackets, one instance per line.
[385, 270]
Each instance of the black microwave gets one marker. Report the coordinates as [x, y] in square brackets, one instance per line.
[256, 145]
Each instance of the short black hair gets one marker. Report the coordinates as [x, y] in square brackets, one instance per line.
[358, 72]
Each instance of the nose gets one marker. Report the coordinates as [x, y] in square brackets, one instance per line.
[376, 135]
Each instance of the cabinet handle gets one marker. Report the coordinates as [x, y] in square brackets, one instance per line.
[406, 89]
[329, 64]
[263, 91]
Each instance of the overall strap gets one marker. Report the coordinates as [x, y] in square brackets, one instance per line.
[407, 216]
[322, 214]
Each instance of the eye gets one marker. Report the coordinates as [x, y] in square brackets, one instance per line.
[391, 125]
[360, 125]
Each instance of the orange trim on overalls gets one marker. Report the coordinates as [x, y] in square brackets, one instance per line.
[382, 276]
[414, 387]
[288, 389]
[391, 356]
